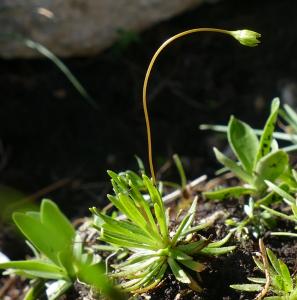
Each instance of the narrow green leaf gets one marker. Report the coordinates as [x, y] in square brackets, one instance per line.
[154, 193]
[191, 212]
[36, 268]
[281, 192]
[244, 143]
[194, 247]
[232, 166]
[161, 221]
[217, 251]
[177, 271]
[274, 261]
[257, 280]
[193, 265]
[247, 287]
[63, 68]
[266, 138]
[291, 114]
[230, 192]
[221, 242]
[180, 229]
[279, 214]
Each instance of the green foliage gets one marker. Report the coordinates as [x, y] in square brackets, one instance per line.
[146, 234]
[59, 254]
[289, 200]
[283, 285]
[259, 160]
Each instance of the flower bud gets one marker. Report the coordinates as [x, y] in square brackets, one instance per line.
[246, 37]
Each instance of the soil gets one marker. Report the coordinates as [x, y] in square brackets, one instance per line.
[48, 133]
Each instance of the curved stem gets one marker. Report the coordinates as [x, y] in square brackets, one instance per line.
[145, 84]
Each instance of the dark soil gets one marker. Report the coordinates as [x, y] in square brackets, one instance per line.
[48, 132]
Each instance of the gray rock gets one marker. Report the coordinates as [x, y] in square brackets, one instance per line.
[78, 27]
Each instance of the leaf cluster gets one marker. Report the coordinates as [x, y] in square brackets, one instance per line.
[258, 160]
[282, 286]
[145, 232]
[59, 255]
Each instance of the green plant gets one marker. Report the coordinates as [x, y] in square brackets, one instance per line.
[279, 283]
[147, 235]
[59, 254]
[259, 160]
[288, 199]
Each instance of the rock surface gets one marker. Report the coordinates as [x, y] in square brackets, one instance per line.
[78, 27]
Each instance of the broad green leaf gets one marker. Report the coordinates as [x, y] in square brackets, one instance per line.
[267, 136]
[270, 167]
[232, 166]
[230, 192]
[37, 233]
[243, 142]
[93, 275]
[36, 268]
[53, 218]
[247, 287]
[288, 283]
[177, 271]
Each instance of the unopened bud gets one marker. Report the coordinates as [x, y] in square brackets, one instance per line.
[246, 37]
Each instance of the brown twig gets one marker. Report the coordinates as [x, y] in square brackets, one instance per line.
[263, 252]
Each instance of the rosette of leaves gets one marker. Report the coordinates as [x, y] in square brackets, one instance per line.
[258, 160]
[144, 230]
[59, 255]
[282, 284]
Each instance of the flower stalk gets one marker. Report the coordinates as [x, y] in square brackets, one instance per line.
[244, 37]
